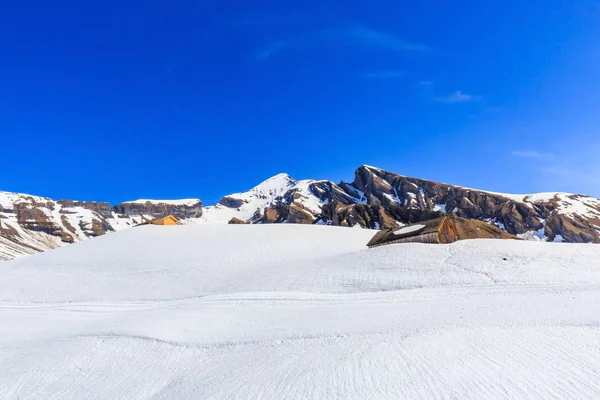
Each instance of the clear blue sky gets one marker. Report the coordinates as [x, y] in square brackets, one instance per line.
[118, 100]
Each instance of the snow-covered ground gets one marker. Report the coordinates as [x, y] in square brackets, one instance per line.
[299, 312]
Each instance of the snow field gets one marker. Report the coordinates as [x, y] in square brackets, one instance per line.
[297, 312]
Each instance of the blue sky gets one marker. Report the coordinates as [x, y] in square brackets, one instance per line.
[169, 99]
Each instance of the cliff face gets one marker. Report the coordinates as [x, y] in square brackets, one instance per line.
[30, 224]
[376, 199]
[546, 216]
[181, 209]
[379, 199]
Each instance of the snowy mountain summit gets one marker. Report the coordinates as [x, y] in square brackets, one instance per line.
[244, 206]
[381, 199]
[375, 199]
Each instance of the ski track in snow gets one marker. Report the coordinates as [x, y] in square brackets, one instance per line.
[299, 312]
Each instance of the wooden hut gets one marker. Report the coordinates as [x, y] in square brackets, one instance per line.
[168, 220]
[438, 230]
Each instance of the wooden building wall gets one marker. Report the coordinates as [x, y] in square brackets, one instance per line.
[425, 238]
[446, 233]
[165, 221]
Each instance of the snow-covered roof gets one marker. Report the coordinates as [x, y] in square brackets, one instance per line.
[416, 229]
[409, 229]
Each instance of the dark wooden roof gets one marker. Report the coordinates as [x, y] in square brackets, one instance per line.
[388, 235]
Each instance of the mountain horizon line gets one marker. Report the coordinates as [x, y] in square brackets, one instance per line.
[281, 174]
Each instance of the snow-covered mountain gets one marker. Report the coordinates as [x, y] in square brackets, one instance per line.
[375, 199]
[378, 199]
[261, 203]
[30, 224]
[247, 205]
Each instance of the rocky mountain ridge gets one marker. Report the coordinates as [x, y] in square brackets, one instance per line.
[30, 224]
[375, 199]
[379, 199]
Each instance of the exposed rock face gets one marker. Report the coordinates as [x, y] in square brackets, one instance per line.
[249, 206]
[67, 236]
[374, 216]
[328, 192]
[32, 224]
[378, 199]
[299, 214]
[273, 215]
[475, 229]
[237, 221]
[33, 218]
[157, 209]
[559, 216]
[231, 202]
[103, 209]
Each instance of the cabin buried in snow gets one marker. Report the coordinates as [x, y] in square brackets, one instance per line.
[168, 220]
[438, 230]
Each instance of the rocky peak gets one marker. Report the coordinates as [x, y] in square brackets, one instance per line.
[327, 191]
[151, 209]
[378, 198]
[248, 206]
[545, 216]
[99, 207]
[30, 224]
[375, 199]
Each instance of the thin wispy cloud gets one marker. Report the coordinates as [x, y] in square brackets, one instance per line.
[384, 74]
[354, 36]
[273, 48]
[556, 171]
[426, 83]
[534, 154]
[575, 167]
[458, 97]
[571, 175]
[371, 37]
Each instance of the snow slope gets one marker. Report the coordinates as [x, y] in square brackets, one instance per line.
[15, 241]
[298, 312]
[256, 199]
[244, 206]
[280, 189]
[567, 203]
[32, 224]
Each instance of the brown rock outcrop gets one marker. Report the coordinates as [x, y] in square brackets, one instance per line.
[158, 210]
[237, 221]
